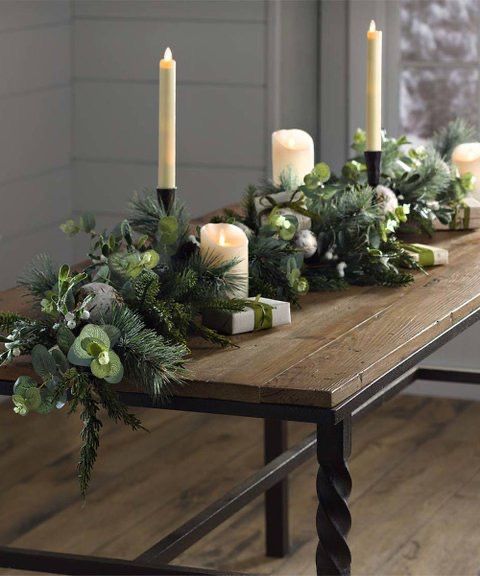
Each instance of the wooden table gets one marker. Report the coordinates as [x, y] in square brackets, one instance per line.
[344, 354]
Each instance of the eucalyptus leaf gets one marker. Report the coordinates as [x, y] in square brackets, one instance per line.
[43, 362]
[65, 338]
[22, 384]
[116, 369]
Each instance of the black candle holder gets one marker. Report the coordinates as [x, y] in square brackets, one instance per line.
[373, 161]
[166, 198]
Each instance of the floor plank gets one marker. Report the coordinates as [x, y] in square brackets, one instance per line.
[415, 502]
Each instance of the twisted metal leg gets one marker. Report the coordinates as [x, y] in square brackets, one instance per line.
[334, 485]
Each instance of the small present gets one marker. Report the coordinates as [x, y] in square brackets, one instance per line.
[427, 255]
[259, 314]
[466, 217]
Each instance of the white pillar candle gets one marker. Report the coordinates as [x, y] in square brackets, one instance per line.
[466, 158]
[292, 150]
[166, 121]
[374, 89]
[223, 242]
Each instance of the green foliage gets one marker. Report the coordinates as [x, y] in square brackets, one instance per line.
[86, 223]
[271, 260]
[8, 321]
[90, 434]
[151, 362]
[93, 348]
[26, 396]
[454, 133]
[250, 216]
[148, 216]
[40, 276]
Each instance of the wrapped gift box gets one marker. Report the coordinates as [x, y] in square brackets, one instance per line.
[264, 313]
[467, 216]
[427, 255]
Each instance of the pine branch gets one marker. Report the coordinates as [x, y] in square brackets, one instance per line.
[90, 436]
[8, 321]
[154, 364]
[250, 217]
[40, 276]
[117, 410]
[447, 138]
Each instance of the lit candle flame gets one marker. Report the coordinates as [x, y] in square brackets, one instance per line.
[291, 143]
[168, 54]
[221, 238]
[372, 28]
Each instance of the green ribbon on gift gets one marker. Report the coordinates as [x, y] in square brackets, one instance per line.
[263, 313]
[426, 256]
[461, 222]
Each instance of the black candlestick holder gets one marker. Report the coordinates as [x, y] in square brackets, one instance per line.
[373, 159]
[166, 198]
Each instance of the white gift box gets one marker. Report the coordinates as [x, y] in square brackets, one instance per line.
[428, 255]
[467, 216]
[248, 320]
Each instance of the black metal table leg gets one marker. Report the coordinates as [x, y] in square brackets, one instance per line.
[334, 485]
[276, 499]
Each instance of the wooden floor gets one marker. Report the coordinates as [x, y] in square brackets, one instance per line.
[415, 501]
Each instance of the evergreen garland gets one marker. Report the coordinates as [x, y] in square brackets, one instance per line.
[128, 315]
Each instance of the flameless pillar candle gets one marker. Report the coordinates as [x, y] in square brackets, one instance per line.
[466, 158]
[374, 89]
[292, 150]
[166, 121]
[224, 242]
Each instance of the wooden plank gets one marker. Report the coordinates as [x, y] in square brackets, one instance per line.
[413, 463]
[206, 52]
[108, 124]
[340, 342]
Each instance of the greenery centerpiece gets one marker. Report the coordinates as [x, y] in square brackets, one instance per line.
[126, 316]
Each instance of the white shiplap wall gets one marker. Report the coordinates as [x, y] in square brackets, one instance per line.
[220, 47]
[35, 116]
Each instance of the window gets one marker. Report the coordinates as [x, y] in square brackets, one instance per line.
[439, 64]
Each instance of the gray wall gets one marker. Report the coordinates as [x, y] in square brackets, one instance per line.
[235, 85]
[35, 116]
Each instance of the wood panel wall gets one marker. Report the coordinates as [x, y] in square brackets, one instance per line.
[35, 135]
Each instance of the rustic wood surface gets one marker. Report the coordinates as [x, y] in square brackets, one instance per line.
[415, 499]
[338, 342]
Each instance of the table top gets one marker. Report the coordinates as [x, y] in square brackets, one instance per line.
[338, 342]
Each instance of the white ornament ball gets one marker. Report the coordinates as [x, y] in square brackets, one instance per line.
[307, 242]
[386, 198]
[104, 297]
